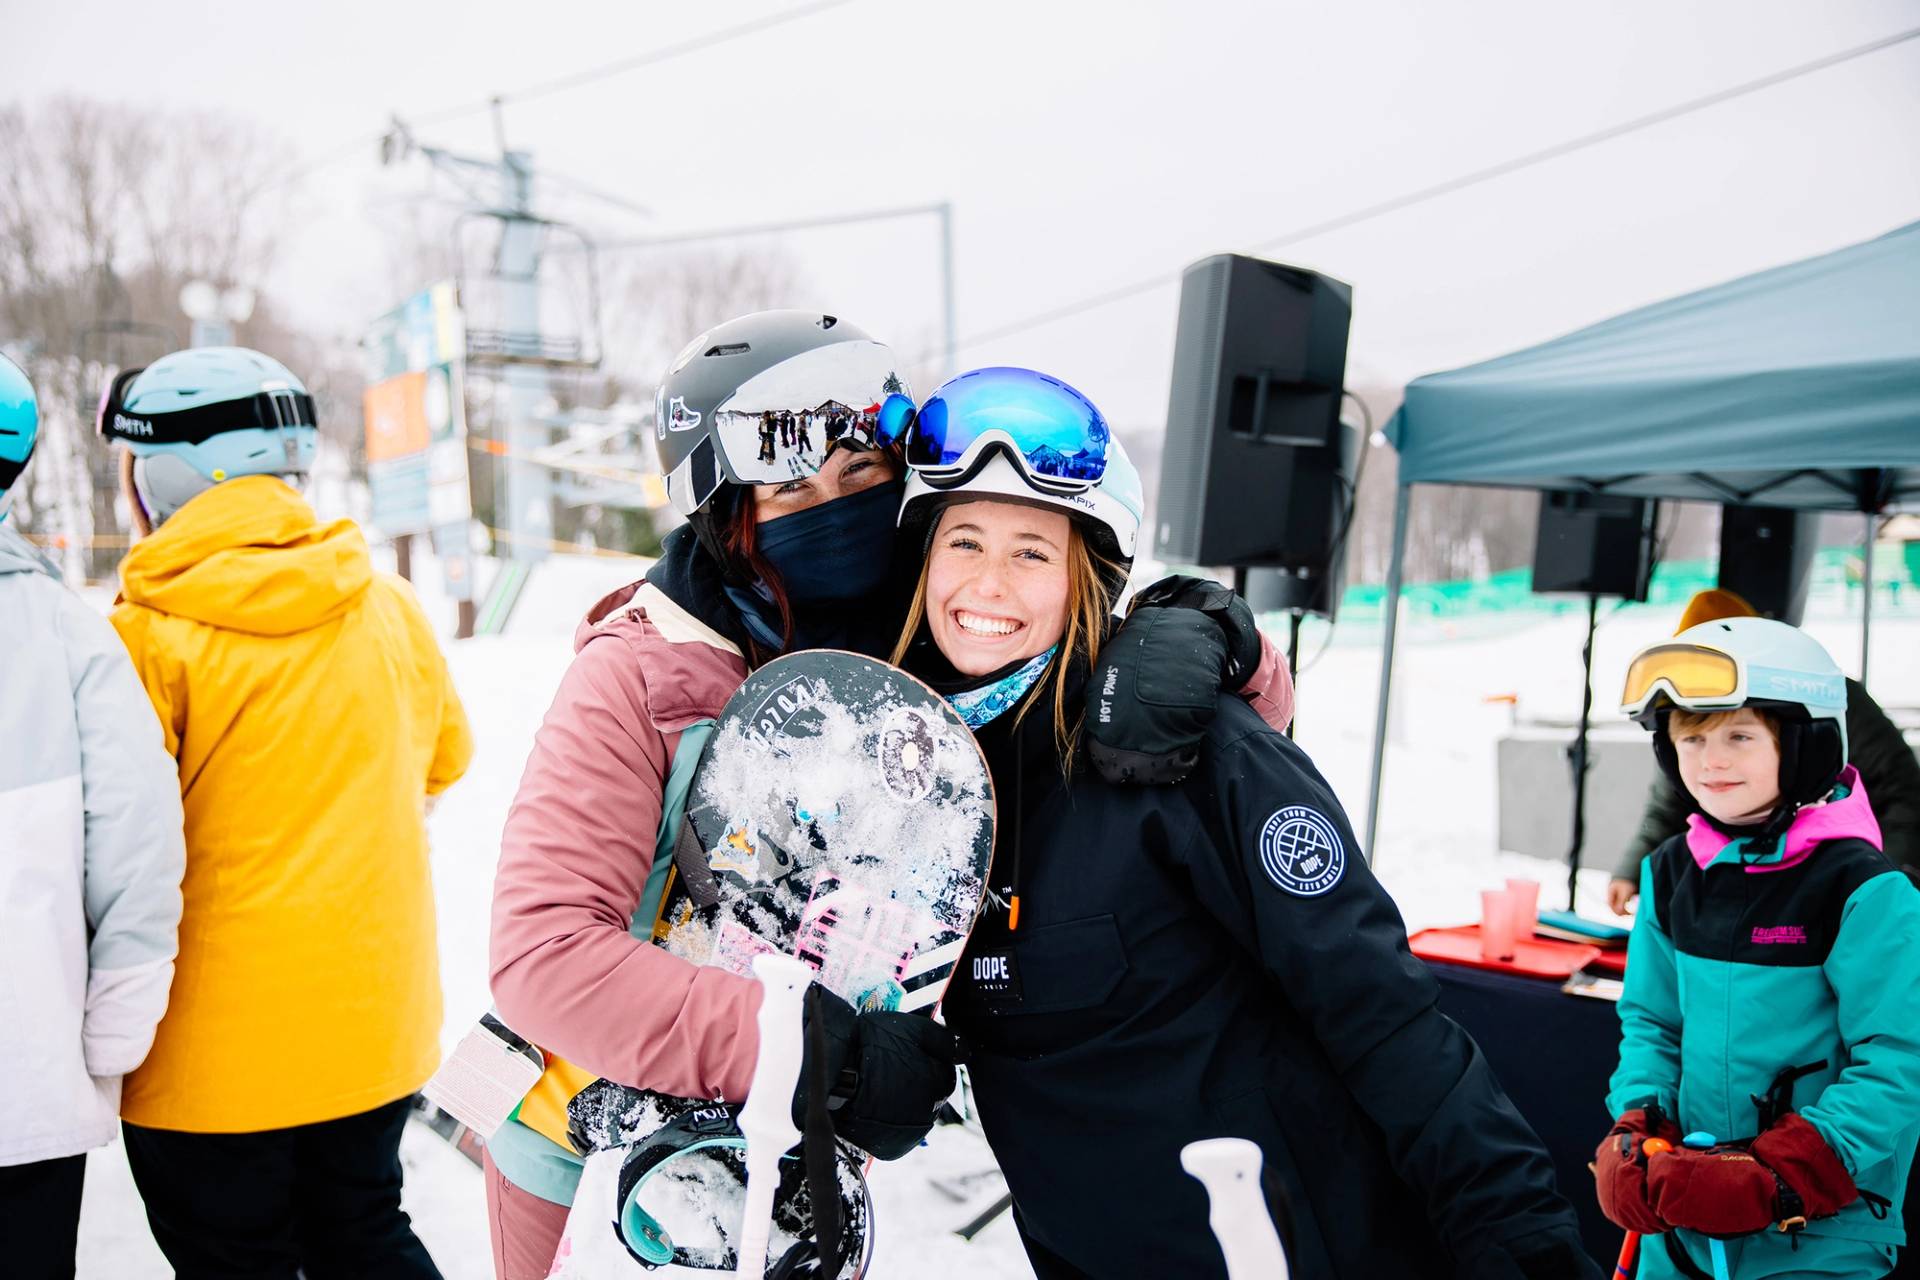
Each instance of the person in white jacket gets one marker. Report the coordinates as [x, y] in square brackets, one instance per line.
[91, 856]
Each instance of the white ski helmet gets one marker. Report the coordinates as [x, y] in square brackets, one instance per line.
[1748, 662]
[1027, 436]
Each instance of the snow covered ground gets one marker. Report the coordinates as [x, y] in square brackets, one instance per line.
[1437, 850]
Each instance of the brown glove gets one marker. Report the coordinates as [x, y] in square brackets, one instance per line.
[1620, 1168]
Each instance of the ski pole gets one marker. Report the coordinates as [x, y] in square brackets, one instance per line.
[1630, 1247]
[1229, 1168]
[767, 1117]
[985, 1217]
[1623, 1266]
[1701, 1141]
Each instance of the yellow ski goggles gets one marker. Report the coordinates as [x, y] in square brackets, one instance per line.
[1690, 675]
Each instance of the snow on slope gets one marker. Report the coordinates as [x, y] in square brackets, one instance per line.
[1437, 851]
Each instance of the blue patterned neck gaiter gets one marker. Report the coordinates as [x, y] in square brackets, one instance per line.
[979, 706]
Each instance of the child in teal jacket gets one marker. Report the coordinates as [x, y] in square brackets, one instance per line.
[1773, 979]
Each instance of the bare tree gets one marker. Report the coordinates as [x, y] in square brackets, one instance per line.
[105, 211]
[658, 301]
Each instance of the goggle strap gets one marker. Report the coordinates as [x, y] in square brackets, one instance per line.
[268, 410]
[982, 451]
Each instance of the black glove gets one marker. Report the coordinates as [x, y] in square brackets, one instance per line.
[886, 1073]
[1152, 694]
[1227, 610]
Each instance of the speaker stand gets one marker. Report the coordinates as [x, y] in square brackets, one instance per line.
[1577, 755]
[1293, 657]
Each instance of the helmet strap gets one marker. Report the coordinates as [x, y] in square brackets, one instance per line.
[1810, 764]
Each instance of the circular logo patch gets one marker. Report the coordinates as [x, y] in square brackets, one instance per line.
[1301, 851]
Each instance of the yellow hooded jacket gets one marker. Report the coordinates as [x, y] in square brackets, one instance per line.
[311, 713]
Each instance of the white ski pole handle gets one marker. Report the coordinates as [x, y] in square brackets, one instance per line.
[1229, 1168]
[767, 1117]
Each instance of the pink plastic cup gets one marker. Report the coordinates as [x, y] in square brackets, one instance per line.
[1526, 907]
[1496, 924]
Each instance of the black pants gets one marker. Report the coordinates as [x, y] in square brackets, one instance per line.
[319, 1200]
[40, 1217]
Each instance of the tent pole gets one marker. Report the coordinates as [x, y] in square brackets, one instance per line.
[1577, 757]
[1395, 568]
[1866, 598]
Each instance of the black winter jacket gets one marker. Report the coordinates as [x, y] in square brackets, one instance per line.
[1215, 959]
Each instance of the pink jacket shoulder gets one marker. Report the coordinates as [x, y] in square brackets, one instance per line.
[577, 848]
[1270, 688]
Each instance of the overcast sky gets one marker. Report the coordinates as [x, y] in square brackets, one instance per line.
[1084, 147]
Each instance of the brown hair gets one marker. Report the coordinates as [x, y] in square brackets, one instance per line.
[737, 537]
[1680, 720]
[136, 510]
[1090, 579]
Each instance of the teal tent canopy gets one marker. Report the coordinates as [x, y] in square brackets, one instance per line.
[1795, 387]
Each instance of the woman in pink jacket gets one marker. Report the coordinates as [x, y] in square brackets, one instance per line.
[777, 554]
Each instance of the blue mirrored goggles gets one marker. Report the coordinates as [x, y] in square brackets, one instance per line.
[1050, 430]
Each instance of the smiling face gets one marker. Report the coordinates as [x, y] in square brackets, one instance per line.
[844, 472]
[996, 583]
[1730, 763]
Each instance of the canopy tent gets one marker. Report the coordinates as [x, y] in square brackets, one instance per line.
[1795, 387]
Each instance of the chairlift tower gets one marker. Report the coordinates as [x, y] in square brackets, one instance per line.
[505, 331]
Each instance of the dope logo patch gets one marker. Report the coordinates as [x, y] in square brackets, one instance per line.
[1301, 851]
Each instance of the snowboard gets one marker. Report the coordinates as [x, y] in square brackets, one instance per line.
[841, 812]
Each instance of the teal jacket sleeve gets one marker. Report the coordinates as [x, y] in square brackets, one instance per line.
[1874, 970]
[1649, 1010]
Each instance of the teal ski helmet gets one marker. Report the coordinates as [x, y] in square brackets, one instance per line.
[195, 418]
[19, 427]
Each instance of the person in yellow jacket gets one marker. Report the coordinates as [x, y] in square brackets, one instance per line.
[312, 716]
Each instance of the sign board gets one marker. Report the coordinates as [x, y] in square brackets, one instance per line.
[415, 409]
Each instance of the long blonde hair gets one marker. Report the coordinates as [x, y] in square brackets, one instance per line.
[1092, 581]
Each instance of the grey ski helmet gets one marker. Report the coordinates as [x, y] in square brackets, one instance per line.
[764, 398]
[704, 1151]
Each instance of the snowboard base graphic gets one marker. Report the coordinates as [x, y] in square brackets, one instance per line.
[841, 813]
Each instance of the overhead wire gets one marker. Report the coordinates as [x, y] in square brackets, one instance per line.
[1474, 178]
[334, 155]
[652, 56]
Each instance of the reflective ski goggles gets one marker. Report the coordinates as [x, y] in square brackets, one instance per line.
[1689, 675]
[1052, 433]
[781, 424]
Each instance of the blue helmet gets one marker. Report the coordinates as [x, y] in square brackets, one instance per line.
[19, 426]
[197, 417]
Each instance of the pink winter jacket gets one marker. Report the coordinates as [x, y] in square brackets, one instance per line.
[579, 842]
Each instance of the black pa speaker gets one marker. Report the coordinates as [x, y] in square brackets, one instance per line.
[1766, 555]
[1256, 470]
[1314, 584]
[1594, 544]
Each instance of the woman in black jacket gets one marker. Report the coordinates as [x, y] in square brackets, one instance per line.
[1165, 964]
